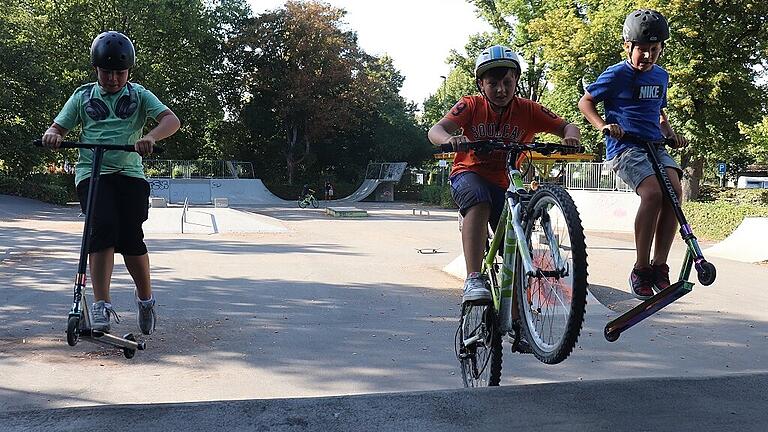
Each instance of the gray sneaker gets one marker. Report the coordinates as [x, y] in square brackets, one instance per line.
[146, 315]
[476, 290]
[100, 316]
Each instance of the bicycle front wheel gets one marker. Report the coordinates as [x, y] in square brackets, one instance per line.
[551, 301]
[314, 202]
[478, 346]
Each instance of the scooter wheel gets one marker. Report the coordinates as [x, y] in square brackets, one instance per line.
[128, 352]
[73, 330]
[706, 272]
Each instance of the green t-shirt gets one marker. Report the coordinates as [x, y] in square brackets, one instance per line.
[112, 130]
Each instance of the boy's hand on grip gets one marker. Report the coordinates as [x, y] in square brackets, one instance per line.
[680, 141]
[51, 140]
[144, 145]
[613, 130]
[571, 141]
[458, 143]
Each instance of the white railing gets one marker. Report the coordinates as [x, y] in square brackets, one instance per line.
[593, 176]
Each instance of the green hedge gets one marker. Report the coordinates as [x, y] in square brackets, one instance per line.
[754, 197]
[716, 220]
[438, 195]
[51, 188]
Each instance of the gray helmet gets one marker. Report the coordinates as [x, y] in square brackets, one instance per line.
[645, 26]
[496, 56]
[113, 51]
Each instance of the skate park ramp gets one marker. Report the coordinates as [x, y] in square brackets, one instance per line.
[365, 189]
[730, 402]
[175, 220]
[746, 243]
[204, 191]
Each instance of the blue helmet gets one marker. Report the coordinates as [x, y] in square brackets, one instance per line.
[496, 56]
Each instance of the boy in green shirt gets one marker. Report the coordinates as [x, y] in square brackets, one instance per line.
[114, 111]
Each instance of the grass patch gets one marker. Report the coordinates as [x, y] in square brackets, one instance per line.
[716, 220]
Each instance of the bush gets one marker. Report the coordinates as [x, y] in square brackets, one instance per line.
[55, 189]
[716, 220]
[438, 195]
[755, 197]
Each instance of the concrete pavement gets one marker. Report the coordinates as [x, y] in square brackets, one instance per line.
[341, 307]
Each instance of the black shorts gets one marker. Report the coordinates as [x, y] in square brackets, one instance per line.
[120, 208]
[469, 189]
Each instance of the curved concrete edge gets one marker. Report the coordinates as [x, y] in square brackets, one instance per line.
[731, 402]
[746, 243]
[209, 221]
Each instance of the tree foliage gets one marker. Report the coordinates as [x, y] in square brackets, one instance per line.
[713, 57]
[289, 89]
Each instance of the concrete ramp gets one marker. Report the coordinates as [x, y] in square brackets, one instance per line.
[204, 191]
[209, 221]
[747, 243]
[365, 189]
[725, 403]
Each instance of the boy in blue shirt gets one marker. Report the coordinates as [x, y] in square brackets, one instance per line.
[634, 95]
[114, 111]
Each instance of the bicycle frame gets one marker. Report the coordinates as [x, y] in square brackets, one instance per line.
[510, 229]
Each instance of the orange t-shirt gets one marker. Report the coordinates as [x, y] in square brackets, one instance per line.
[517, 124]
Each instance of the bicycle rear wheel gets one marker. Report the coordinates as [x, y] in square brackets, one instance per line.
[552, 301]
[478, 346]
[302, 203]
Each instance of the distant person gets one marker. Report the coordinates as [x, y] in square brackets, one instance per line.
[305, 191]
[328, 191]
[114, 111]
[479, 181]
[634, 94]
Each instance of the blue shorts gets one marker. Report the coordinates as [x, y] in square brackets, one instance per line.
[120, 209]
[469, 189]
[633, 166]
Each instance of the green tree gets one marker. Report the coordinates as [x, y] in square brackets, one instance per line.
[45, 56]
[313, 97]
[710, 56]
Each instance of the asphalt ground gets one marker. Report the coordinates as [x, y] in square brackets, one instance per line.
[333, 307]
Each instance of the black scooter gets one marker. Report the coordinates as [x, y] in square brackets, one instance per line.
[79, 320]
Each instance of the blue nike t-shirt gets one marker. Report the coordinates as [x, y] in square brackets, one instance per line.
[633, 100]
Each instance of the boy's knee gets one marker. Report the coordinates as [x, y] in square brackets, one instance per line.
[650, 194]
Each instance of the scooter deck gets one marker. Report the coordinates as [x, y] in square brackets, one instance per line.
[645, 309]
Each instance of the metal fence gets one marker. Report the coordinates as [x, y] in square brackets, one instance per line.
[170, 168]
[593, 176]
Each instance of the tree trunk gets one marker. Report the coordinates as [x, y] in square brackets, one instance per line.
[692, 174]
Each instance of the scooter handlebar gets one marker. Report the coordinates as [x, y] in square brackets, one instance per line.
[75, 144]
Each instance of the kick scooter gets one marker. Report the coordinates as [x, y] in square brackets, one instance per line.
[693, 257]
[79, 319]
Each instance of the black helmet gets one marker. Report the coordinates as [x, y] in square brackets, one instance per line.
[113, 51]
[645, 26]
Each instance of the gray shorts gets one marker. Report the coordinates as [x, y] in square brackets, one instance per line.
[633, 165]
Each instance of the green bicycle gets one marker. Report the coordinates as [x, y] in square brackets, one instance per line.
[536, 269]
[308, 200]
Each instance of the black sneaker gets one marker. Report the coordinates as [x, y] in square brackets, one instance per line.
[641, 282]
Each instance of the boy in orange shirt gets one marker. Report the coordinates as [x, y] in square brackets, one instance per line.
[479, 182]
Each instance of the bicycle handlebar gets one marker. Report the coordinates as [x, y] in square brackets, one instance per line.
[75, 144]
[488, 145]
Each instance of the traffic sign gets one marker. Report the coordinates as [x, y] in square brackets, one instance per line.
[721, 169]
